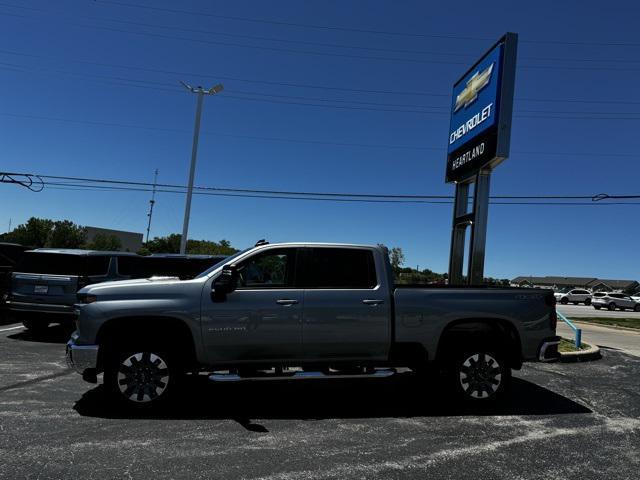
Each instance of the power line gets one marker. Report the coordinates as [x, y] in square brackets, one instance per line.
[299, 85]
[26, 180]
[355, 30]
[292, 140]
[320, 53]
[323, 199]
[100, 184]
[322, 194]
[306, 42]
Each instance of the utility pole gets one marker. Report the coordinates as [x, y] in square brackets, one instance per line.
[201, 92]
[152, 202]
[9, 225]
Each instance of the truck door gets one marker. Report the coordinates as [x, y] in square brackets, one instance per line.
[261, 319]
[347, 314]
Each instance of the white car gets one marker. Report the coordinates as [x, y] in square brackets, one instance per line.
[575, 296]
[613, 301]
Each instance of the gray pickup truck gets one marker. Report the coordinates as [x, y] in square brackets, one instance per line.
[303, 311]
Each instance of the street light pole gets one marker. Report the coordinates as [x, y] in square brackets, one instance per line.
[201, 92]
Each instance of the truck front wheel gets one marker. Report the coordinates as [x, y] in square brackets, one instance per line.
[141, 377]
[480, 375]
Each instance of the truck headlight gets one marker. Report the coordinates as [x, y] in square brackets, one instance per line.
[86, 298]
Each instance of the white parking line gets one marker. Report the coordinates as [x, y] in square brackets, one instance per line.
[12, 328]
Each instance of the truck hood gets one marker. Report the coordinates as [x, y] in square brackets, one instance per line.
[139, 287]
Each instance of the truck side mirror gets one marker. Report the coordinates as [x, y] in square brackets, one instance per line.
[226, 283]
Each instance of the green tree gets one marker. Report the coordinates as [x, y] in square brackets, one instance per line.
[168, 244]
[66, 234]
[206, 247]
[33, 233]
[104, 242]
[171, 244]
[397, 258]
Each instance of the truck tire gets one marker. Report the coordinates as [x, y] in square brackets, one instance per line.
[35, 326]
[480, 374]
[143, 377]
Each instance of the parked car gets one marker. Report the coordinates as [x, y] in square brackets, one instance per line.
[299, 311]
[613, 301]
[10, 255]
[167, 265]
[46, 280]
[575, 296]
[595, 295]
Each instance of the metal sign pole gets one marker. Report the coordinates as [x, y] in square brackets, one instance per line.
[458, 231]
[478, 242]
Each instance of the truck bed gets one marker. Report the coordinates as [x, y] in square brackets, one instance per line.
[423, 312]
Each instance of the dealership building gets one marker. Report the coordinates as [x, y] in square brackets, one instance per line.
[589, 283]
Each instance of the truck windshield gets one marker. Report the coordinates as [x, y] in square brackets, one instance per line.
[223, 262]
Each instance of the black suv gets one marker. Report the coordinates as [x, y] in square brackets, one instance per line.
[45, 283]
[10, 255]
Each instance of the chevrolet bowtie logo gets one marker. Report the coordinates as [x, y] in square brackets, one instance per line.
[474, 85]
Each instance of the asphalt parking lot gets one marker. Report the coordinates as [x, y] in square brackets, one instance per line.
[578, 420]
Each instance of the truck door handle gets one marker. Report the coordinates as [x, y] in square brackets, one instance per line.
[285, 302]
[372, 301]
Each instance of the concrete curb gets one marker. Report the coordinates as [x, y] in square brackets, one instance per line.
[613, 327]
[590, 354]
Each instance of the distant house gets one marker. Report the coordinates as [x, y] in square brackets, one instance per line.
[604, 285]
[590, 283]
[129, 241]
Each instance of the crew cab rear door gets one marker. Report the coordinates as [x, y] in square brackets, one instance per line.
[347, 312]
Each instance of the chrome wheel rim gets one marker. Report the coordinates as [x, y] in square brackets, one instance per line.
[480, 375]
[143, 377]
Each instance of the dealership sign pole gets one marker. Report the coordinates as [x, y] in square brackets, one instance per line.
[479, 138]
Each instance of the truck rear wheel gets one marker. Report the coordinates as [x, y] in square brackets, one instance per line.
[480, 374]
[142, 377]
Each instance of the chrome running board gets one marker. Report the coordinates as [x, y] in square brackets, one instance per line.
[232, 377]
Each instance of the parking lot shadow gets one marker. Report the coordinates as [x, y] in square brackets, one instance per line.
[52, 334]
[400, 396]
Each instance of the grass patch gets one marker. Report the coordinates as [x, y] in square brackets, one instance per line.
[570, 346]
[616, 322]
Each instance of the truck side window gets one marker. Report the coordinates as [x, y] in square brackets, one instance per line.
[340, 268]
[271, 269]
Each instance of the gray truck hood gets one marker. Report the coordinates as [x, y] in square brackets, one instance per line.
[138, 286]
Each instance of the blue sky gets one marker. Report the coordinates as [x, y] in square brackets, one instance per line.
[76, 61]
